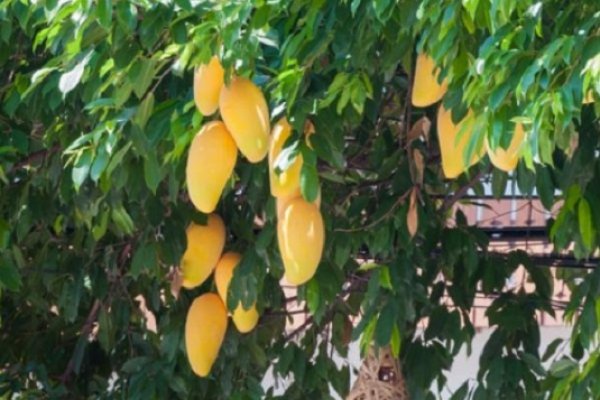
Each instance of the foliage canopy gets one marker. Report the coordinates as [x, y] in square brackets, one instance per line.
[97, 115]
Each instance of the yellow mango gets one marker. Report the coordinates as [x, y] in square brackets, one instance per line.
[453, 152]
[211, 159]
[301, 236]
[287, 182]
[282, 202]
[426, 90]
[204, 247]
[245, 112]
[244, 320]
[208, 81]
[507, 159]
[205, 328]
[589, 98]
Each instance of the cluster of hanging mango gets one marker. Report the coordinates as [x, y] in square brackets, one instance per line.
[245, 126]
[426, 91]
[212, 157]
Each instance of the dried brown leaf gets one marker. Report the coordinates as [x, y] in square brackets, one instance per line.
[419, 129]
[412, 217]
[419, 166]
[176, 281]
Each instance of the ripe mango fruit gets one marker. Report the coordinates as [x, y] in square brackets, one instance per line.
[287, 183]
[453, 152]
[211, 160]
[589, 98]
[246, 115]
[205, 328]
[244, 320]
[204, 247]
[301, 236]
[282, 202]
[507, 159]
[208, 81]
[426, 90]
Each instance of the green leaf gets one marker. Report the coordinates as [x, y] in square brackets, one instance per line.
[99, 230]
[545, 187]
[105, 330]
[534, 363]
[9, 276]
[104, 13]
[586, 228]
[122, 220]
[385, 324]
[499, 94]
[81, 168]
[79, 352]
[99, 164]
[144, 111]
[396, 341]
[385, 279]
[344, 99]
[499, 180]
[135, 364]
[309, 182]
[573, 196]
[4, 234]
[525, 179]
[118, 158]
[313, 296]
[562, 367]
[152, 173]
[144, 259]
[178, 384]
[69, 80]
[367, 337]
[141, 74]
[462, 392]
[551, 349]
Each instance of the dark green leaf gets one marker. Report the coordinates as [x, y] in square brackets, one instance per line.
[545, 186]
[586, 228]
[385, 324]
[152, 173]
[9, 276]
[144, 259]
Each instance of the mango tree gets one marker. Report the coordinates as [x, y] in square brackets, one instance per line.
[413, 105]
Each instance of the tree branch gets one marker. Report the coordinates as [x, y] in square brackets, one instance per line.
[399, 201]
[32, 157]
[450, 201]
[353, 285]
[85, 331]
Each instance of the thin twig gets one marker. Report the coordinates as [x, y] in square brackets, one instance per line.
[85, 331]
[31, 157]
[353, 284]
[408, 104]
[299, 329]
[158, 81]
[398, 201]
[450, 201]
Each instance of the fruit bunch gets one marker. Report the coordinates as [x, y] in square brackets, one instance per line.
[454, 138]
[212, 157]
